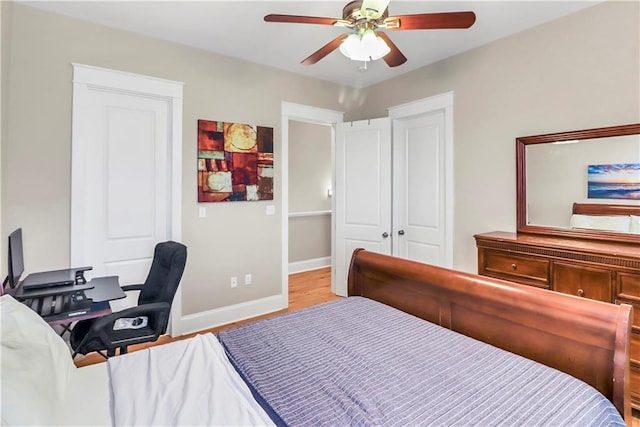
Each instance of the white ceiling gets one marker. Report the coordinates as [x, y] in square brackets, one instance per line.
[236, 28]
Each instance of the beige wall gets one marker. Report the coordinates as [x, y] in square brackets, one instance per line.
[309, 238]
[309, 166]
[5, 36]
[235, 238]
[578, 72]
[309, 180]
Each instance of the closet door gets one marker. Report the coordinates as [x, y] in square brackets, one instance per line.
[362, 193]
[419, 188]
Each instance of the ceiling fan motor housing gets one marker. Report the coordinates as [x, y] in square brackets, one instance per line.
[353, 12]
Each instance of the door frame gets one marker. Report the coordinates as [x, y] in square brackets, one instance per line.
[421, 107]
[87, 78]
[314, 115]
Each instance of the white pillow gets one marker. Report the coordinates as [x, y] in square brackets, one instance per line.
[35, 367]
[620, 223]
[635, 224]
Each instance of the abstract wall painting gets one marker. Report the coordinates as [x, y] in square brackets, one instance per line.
[235, 162]
[614, 181]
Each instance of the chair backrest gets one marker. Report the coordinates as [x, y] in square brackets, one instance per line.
[169, 259]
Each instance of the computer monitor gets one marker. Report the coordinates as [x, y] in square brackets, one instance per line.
[15, 259]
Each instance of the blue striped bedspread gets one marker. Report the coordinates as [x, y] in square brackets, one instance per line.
[358, 362]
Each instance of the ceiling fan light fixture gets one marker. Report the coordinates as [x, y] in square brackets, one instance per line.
[365, 47]
[350, 48]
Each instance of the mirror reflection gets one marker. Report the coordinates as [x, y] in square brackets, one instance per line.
[594, 171]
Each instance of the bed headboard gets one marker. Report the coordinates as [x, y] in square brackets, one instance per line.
[584, 338]
[604, 209]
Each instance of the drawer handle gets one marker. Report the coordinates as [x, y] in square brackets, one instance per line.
[580, 292]
[514, 266]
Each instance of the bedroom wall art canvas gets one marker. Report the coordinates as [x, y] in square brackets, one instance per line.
[614, 181]
[235, 162]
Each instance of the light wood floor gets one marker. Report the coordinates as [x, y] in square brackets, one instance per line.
[305, 289]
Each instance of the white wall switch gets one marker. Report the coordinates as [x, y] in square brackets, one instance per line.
[271, 210]
[247, 279]
[234, 281]
[202, 211]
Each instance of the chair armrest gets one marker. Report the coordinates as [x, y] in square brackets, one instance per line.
[102, 328]
[137, 287]
[153, 310]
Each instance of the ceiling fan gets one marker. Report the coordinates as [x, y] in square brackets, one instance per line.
[364, 18]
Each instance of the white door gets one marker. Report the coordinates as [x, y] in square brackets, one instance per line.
[126, 183]
[122, 173]
[419, 188]
[422, 196]
[362, 193]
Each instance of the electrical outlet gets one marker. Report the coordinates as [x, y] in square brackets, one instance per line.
[234, 281]
[247, 279]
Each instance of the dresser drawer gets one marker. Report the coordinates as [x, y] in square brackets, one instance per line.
[635, 379]
[634, 371]
[583, 281]
[522, 269]
[634, 347]
[628, 285]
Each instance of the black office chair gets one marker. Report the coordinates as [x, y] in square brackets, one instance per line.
[144, 322]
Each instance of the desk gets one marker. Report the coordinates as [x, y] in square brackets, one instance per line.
[96, 295]
[104, 289]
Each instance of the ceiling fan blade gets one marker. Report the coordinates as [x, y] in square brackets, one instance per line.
[373, 8]
[395, 57]
[300, 19]
[324, 50]
[429, 21]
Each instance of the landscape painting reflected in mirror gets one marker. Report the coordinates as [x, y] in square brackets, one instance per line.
[614, 181]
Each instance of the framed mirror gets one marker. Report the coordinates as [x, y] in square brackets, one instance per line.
[583, 184]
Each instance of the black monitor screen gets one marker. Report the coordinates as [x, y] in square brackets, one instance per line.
[15, 258]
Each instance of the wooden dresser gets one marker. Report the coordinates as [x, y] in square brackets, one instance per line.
[600, 270]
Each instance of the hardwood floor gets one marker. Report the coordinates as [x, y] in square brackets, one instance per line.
[305, 289]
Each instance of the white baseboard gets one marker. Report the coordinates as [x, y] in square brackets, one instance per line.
[232, 313]
[309, 264]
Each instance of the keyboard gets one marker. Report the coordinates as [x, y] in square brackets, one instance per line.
[74, 303]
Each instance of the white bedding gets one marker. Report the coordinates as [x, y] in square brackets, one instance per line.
[88, 398]
[619, 223]
[40, 384]
[189, 382]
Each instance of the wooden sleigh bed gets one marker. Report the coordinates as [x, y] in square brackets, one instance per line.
[588, 340]
[605, 209]
[584, 338]
[603, 219]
